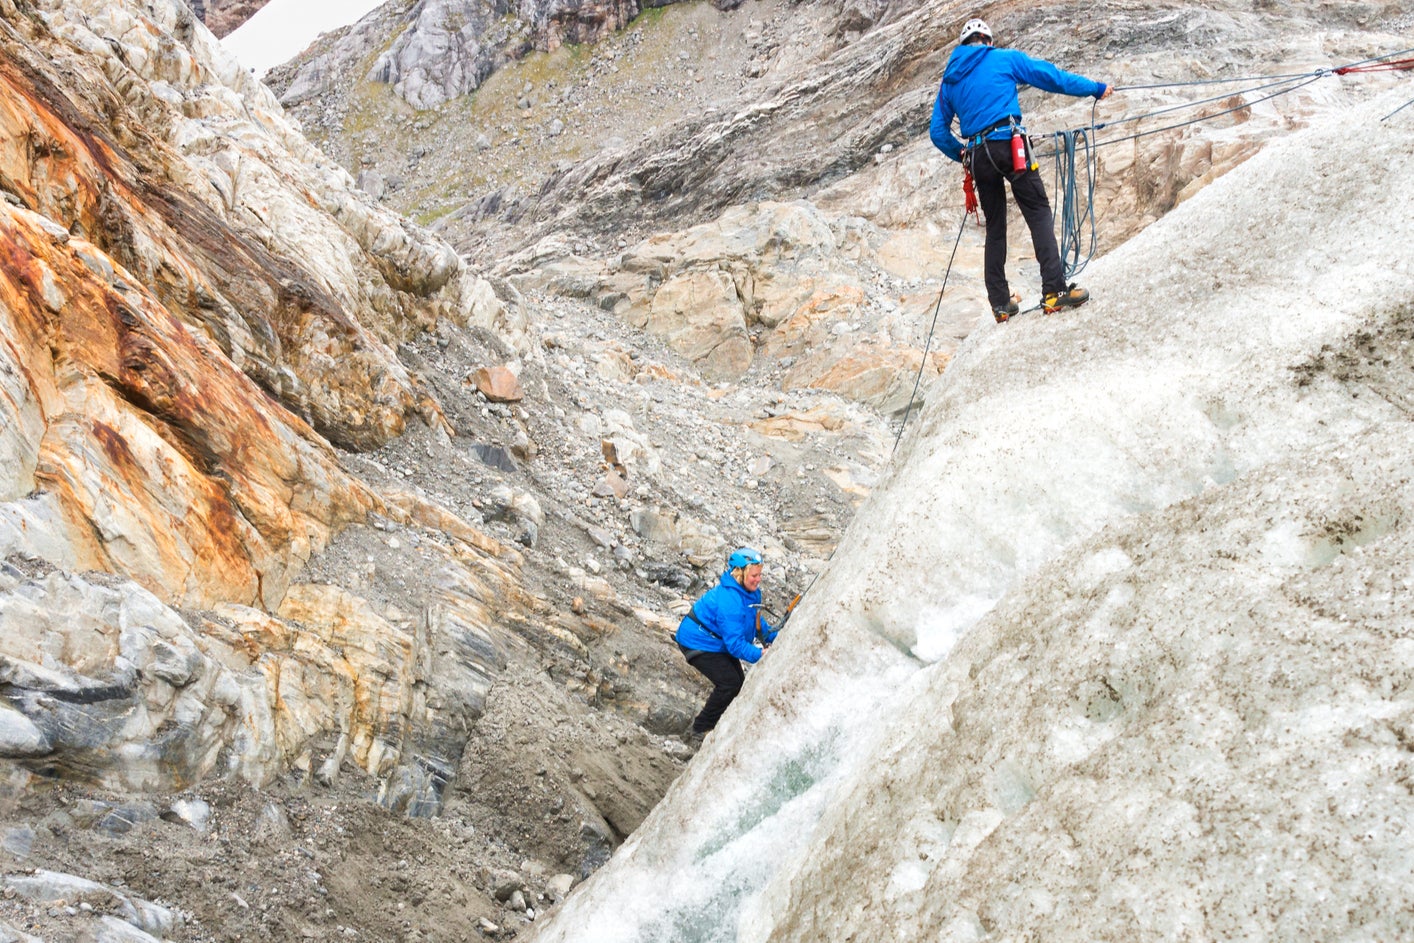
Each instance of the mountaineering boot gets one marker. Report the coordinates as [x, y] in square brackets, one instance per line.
[1072, 297]
[1008, 310]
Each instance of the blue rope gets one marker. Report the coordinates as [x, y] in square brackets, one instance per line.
[1077, 214]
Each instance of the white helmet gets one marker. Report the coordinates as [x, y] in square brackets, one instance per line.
[972, 28]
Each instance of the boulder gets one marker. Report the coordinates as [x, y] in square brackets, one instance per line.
[869, 371]
[499, 384]
[611, 485]
[20, 736]
[504, 882]
[700, 316]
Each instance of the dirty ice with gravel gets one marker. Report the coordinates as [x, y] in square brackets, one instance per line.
[1123, 648]
[282, 29]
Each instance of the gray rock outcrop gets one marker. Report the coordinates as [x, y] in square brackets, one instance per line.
[443, 49]
[447, 49]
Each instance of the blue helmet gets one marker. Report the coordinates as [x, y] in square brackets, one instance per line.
[743, 557]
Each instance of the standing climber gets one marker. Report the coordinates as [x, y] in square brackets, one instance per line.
[720, 631]
[979, 90]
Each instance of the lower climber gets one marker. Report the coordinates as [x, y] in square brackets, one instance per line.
[721, 630]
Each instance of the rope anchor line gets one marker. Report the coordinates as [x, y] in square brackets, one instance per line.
[1077, 214]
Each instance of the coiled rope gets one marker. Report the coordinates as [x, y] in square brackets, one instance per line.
[1077, 214]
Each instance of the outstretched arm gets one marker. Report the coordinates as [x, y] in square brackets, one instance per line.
[1045, 76]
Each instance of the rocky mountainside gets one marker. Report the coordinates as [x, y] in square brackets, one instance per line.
[223, 16]
[714, 111]
[340, 555]
[432, 51]
[779, 100]
[1121, 647]
[308, 526]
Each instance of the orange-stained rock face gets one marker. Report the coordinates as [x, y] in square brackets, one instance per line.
[218, 207]
[61, 165]
[193, 305]
[169, 465]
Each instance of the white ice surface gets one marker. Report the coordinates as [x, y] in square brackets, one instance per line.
[1079, 670]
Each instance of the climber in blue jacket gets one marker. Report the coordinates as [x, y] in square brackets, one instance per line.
[979, 91]
[720, 632]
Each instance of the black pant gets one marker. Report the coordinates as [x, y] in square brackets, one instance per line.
[991, 165]
[726, 676]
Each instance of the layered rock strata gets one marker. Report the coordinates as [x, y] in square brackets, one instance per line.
[193, 305]
[770, 286]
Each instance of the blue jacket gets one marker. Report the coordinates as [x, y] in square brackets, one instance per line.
[979, 89]
[730, 611]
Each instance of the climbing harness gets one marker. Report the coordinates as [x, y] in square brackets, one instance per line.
[1022, 156]
[692, 614]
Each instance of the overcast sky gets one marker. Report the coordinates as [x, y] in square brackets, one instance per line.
[283, 28]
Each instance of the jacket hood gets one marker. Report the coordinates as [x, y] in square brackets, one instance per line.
[963, 61]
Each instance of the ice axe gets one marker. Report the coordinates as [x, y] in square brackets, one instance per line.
[784, 618]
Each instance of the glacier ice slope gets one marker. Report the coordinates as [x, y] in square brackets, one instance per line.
[1123, 647]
